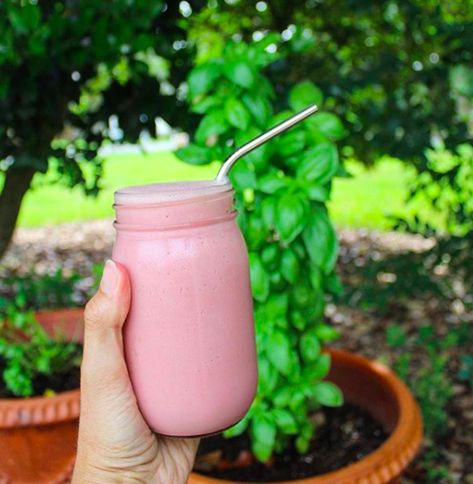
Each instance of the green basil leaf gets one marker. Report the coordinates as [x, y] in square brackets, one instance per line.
[329, 125]
[241, 73]
[276, 306]
[310, 347]
[242, 176]
[326, 333]
[267, 376]
[203, 105]
[298, 320]
[319, 164]
[304, 94]
[297, 400]
[302, 296]
[277, 281]
[272, 183]
[320, 240]
[292, 143]
[258, 107]
[333, 284]
[194, 155]
[255, 233]
[291, 216]
[278, 351]
[281, 116]
[268, 210]
[305, 435]
[316, 278]
[328, 394]
[318, 193]
[238, 428]
[319, 369]
[211, 124]
[285, 420]
[270, 256]
[290, 266]
[202, 78]
[282, 396]
[263, 430]
[259, 278]
[302, 444]
[236, 114]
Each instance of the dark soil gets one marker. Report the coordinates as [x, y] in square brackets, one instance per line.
[346, 435]
[57, 383]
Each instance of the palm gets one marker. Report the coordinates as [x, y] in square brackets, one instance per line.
[115, 443]
[129, 445]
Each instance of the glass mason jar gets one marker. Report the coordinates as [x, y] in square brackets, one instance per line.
[189, 336]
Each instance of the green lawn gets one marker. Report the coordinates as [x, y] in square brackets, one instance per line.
[53, 204]
[361, 201]
[371, 195]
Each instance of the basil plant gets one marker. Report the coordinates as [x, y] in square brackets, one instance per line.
[281, 192]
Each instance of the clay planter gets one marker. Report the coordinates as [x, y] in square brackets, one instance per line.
[378, 390]
[38, 435]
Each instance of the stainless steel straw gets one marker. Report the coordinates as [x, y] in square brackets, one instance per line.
[262, 138]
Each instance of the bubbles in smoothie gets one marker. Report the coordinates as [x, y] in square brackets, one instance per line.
[170, 192]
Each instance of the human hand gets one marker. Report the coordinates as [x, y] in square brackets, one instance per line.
[115, 443]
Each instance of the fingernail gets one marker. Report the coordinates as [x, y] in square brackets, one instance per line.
[109, 278]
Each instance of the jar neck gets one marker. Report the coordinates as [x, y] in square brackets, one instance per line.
[169, 215]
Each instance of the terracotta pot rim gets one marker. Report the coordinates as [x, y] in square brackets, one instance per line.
[77, 311]
[387, 461]
[39, 410]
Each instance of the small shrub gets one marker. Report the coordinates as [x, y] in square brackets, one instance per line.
[44, 291]
[28, 355]
[430, 381]
[423, 364]
[441, 196]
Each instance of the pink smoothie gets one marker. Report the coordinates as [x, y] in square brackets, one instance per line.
[189, 336]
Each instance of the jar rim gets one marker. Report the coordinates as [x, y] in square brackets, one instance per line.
[171, 192]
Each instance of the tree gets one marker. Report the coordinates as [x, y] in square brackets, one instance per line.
[65, 68]
[388, 67]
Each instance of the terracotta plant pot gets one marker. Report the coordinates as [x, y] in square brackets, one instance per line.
[378, 390]
[38, 435]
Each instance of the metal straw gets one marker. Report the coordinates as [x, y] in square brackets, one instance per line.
[262, 138]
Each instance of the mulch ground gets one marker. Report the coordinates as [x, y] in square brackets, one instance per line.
[389, 279]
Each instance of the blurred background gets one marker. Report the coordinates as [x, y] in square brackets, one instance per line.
[95, 96]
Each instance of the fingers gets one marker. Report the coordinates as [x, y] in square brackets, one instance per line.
[103, 360]
[107, 310]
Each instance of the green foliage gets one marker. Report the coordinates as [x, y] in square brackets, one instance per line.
[431, 383]
[280, 194]
[67, 67]
[424, 362]
[442, 193]
[44, 291]
[399, 73]
[28, 354]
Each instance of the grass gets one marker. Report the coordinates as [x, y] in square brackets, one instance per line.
[364, 200]
[371, 196]
[52, 204]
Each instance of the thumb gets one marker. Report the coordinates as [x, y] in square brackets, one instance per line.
[103, 362]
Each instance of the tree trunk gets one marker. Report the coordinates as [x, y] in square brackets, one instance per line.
[17, 182]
